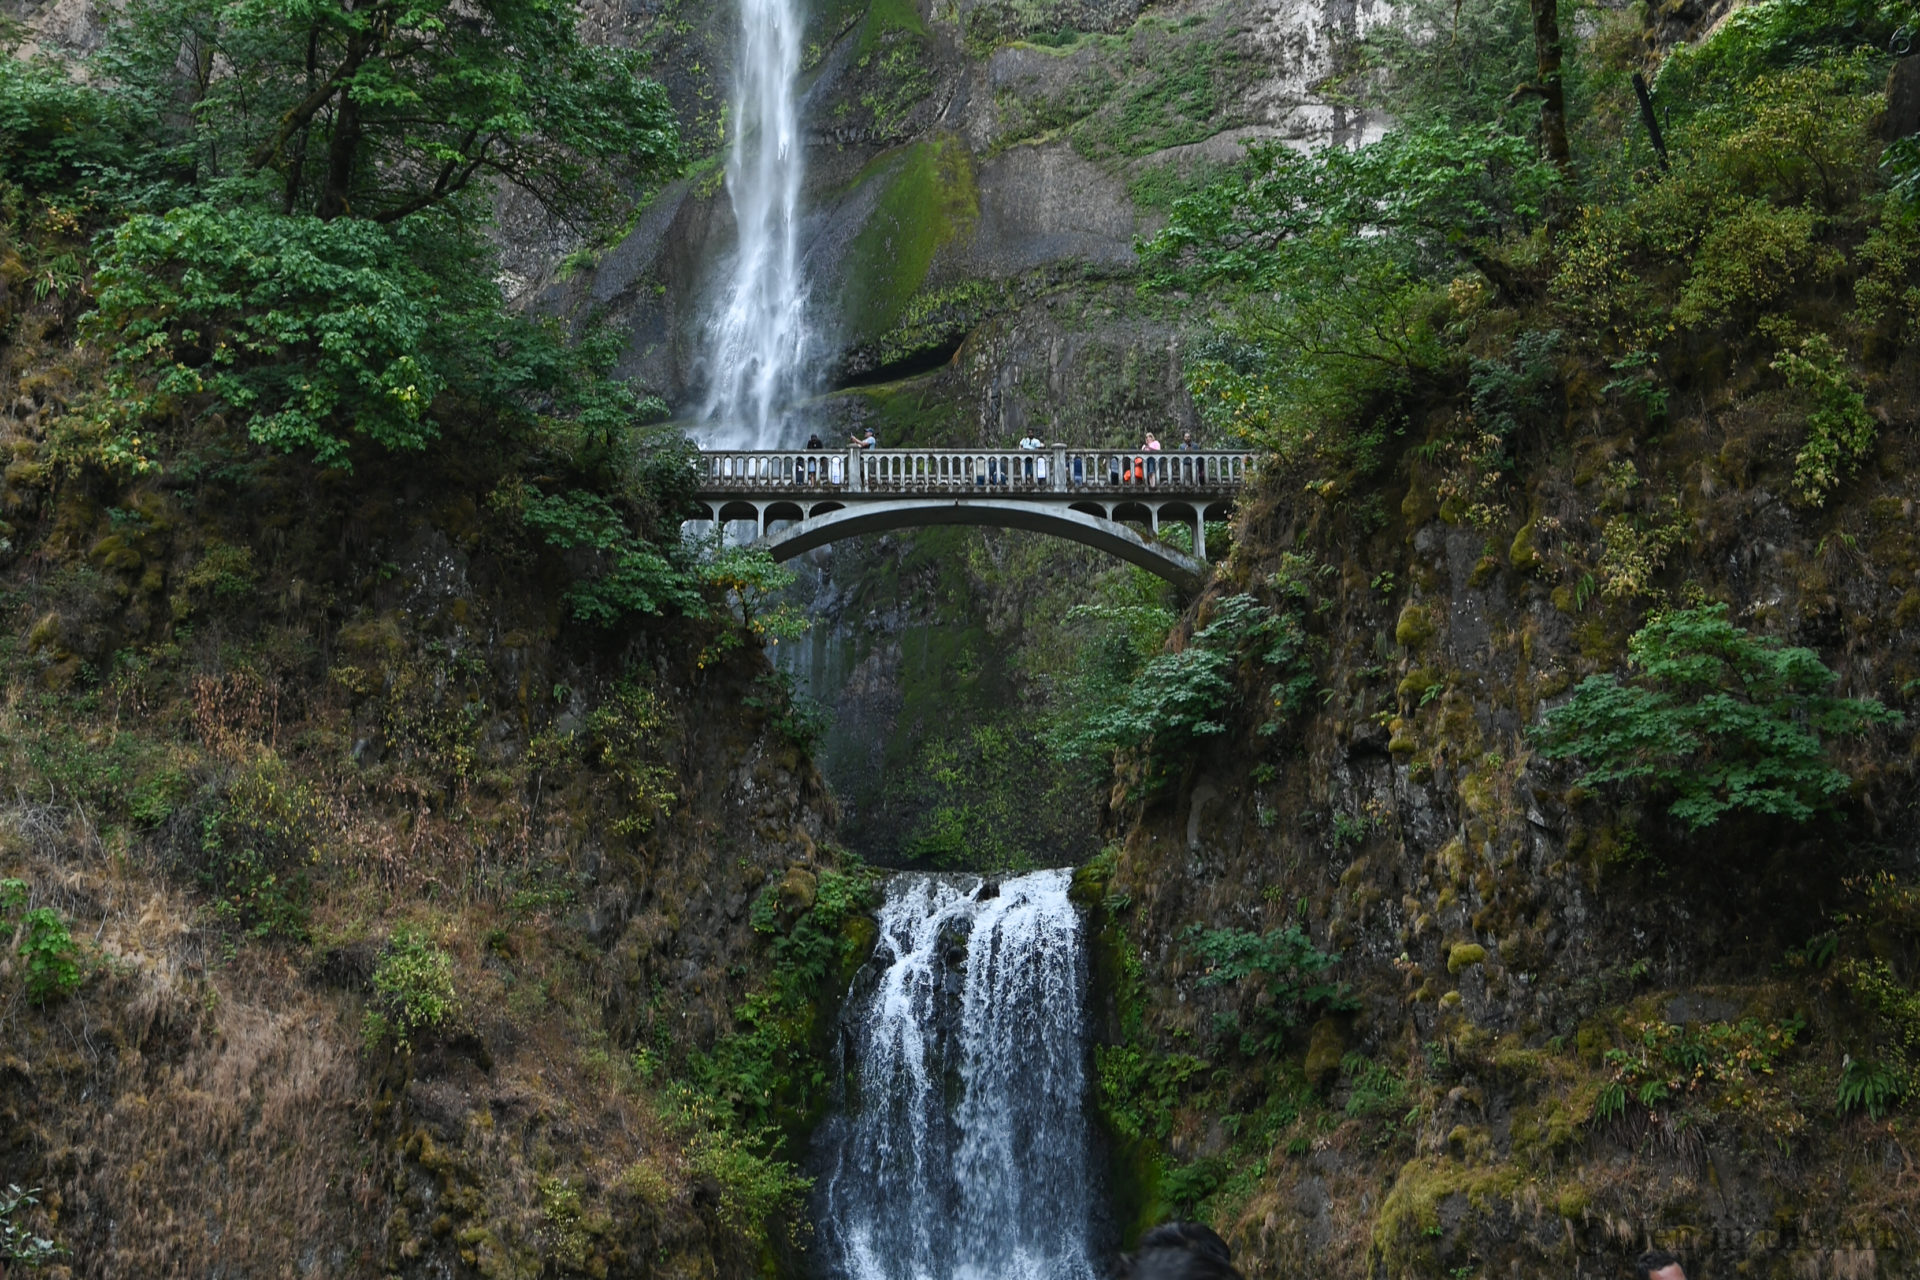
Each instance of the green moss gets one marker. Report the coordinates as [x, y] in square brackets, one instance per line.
[1416, 682]
[1156, 187]
[937, 318]
[1523, 555]
[884, 16]
[1572, 1201]
[1136, 1086]
[1464, 955]
[1408, 1233]
[1415, 627]
[1324, 1052]
[929, 199]
[1172, 100]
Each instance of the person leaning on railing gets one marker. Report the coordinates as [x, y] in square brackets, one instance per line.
[867, 441]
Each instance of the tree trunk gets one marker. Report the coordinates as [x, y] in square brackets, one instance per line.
[344, 143]
[1551, 87]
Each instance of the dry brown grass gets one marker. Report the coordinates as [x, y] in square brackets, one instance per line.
[189, 1117]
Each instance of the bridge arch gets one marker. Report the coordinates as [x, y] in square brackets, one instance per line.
[1115, 502]
[1075, 524]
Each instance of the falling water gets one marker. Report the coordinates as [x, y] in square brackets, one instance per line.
[960, 1149]
[757, 337]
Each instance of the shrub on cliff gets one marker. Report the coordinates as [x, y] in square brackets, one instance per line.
[1159, 706]
[412, 989]
[1282, 965]
[1718, 719]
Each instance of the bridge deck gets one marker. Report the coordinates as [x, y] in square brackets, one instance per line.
[1207, 474]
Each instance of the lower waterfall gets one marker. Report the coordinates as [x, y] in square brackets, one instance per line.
[959, 1150]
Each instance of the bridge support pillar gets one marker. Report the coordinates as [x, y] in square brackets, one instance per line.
[1200, 535]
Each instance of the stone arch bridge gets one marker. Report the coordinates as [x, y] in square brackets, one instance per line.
[1117, 502]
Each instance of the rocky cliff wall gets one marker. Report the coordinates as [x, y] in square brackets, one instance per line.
[1517, 947]
[279, 746]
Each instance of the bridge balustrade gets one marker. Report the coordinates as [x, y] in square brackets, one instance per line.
[959, 470]
[747, 470]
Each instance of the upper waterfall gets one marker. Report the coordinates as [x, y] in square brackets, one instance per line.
[960, 1151]
[757, 335]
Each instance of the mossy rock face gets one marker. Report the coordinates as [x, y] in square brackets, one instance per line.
[1523, 554]
[1434, 1207]
[1324, 1051]
[1414, 628]
[1418, 681]
[927, 199]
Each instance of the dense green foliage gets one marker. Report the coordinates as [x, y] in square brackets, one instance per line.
[381, 110]
[1330, 260]
[634, 575]
[1283, 964]
[1350, 277]
[50, 964]
[299, 256]
[257, 845]
[1720, 720]
[294, 324]
[1129, 700]
[49, 954]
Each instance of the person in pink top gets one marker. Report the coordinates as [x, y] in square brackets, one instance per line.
[1151, 446]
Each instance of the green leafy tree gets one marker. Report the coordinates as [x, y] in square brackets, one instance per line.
[56, 134]
[306, 188]
[1720, 720]
[1168, 701]
[307, 330]
[381, 109]
[752, 583]
[1327, 263]
[631, 575]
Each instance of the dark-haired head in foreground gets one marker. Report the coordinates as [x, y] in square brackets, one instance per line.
[1180, 1251]
[1657, 1264]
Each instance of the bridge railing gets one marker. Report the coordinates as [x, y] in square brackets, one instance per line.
[1057, 470]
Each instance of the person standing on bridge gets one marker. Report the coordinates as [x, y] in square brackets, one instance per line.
[813, 441]
[1031, 443]
[867, 441]
[1187, 442]
[1151, 447]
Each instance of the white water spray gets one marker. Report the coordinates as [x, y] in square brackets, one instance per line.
[960, 1151]
[757, 338]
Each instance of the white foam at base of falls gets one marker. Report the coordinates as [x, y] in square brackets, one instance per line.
[960, 1151]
